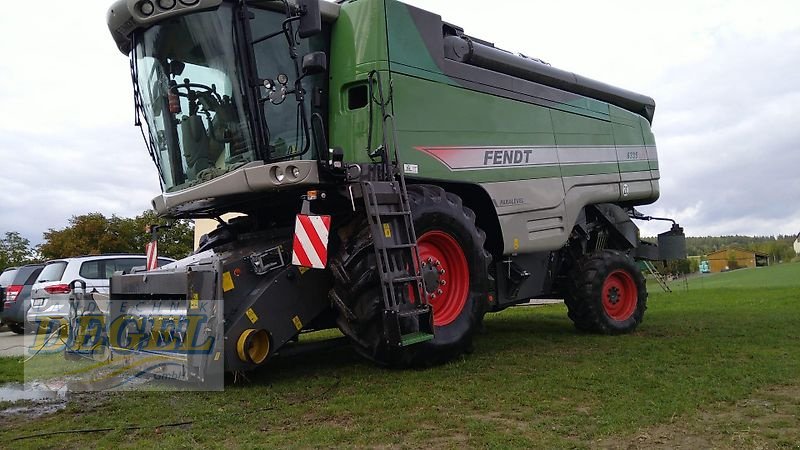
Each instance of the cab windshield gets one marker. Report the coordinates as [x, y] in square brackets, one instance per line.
[191, 95]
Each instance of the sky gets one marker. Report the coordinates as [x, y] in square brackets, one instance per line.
[725, 76]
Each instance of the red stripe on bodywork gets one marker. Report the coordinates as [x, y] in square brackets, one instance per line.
[300, 253]
[319, 246]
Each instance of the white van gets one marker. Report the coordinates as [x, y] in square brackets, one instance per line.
[50, 293]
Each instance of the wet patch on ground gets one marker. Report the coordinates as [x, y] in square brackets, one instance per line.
[32, 400]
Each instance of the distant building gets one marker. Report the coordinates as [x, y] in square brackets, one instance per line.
[736, 258]
[797, 245]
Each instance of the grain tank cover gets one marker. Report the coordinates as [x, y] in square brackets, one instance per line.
[471, 51]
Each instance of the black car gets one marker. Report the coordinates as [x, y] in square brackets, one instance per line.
[16, 296]
[6, 277]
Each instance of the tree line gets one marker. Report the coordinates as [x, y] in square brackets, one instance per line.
[95, 234]
[779, 248]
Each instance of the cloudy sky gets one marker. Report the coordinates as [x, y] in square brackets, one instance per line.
[725, 76]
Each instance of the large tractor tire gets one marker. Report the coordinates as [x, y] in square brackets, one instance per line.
[449, 240]
[606, 294]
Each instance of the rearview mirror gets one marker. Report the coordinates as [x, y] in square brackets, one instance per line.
[310, 19]
[314, 63]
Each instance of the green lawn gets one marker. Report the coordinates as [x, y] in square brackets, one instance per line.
[11, 370]
[698, 373]
[782, 275]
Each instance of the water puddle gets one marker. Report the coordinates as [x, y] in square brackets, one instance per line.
[14, 392]
[36, 398]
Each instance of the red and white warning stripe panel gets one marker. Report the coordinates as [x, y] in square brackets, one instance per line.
[152, 255]
[311, 241]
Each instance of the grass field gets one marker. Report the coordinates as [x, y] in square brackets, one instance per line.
[715, 367]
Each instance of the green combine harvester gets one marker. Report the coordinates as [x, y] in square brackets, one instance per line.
[397, 179]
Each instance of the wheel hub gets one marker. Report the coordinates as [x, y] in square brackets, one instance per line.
[445, 273]
[613, 295]
[430, 276]
[620, 295]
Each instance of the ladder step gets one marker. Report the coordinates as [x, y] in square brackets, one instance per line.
[415, 338]
[391, 213]
[385, 198]
[414, 312]
[658, 276]
[406, 280]
[397, 246]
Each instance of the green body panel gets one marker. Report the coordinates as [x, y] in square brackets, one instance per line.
[433, 110]
[407, 49]
[358, 46]
[587, 150]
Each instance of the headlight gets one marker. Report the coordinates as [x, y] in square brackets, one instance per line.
[166, 4]
[278, 175]
[147, 8]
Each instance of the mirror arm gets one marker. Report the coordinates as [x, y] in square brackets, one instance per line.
[267, 37]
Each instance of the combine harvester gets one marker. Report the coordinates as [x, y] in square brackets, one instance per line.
[398, 179]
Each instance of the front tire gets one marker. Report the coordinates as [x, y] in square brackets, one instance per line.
[449, 240]
[607, 293]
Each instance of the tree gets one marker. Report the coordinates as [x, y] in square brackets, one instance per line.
[15, 250]
[89, 234]
[679, 267]
[94, 234]
[175, 242]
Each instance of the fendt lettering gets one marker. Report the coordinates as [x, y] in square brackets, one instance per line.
[264, 109]
[507, 157]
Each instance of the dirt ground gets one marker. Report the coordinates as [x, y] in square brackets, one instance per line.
[769, 419]
[11, 344]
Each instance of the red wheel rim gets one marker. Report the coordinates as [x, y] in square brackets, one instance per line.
[620, 295]
[445, 254]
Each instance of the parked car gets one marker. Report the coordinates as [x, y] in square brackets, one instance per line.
[6, 277]
[50, 294]
[17, 297]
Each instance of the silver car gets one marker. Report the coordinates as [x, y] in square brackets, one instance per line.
[50, 293]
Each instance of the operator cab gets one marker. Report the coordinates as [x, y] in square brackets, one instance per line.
[224, 90]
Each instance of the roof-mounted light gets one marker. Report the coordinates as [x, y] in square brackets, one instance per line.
[166, 4]
[146, 8]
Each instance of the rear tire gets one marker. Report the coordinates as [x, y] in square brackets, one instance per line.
[16, 328]
[446, 233]
[606, 293]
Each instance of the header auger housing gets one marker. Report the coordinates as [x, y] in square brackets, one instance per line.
[398, 179]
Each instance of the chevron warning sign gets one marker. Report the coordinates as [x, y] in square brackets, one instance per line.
[311, 241]
[152, 255]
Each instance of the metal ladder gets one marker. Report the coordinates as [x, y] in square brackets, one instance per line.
[395, 243]
[407, 316]
[657, 275]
